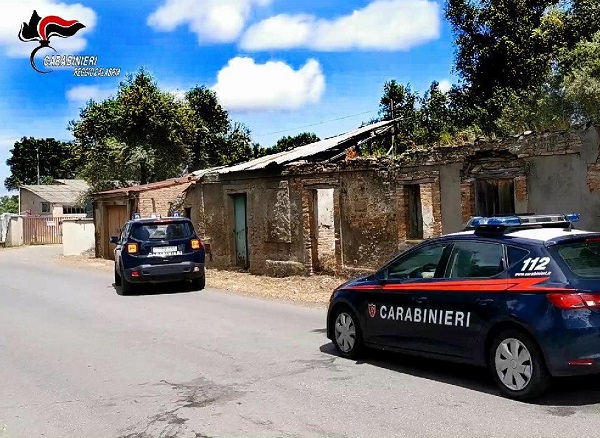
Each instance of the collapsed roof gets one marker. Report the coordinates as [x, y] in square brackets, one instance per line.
[321, 150]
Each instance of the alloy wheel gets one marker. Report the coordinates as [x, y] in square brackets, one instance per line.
[513, 364]
[345, 332]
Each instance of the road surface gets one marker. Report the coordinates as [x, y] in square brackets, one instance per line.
[78, 360]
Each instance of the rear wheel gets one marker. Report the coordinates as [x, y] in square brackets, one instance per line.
[347, 336]
[199, 283]
[518, 366]
[126, 286]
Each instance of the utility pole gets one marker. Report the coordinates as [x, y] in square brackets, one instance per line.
[38, 165]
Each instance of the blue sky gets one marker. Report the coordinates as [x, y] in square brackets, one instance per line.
[277, 65]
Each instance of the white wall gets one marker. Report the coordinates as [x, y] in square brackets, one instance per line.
[78, 236]
[14, 236]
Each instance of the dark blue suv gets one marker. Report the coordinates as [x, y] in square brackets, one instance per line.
[519, 295]
[158, 250]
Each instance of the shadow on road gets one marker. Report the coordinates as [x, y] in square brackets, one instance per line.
[572, 391]
[157, 289]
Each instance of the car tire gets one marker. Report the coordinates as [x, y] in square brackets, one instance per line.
[347, 335]
[126, 286]
[117, 279]
[199, 283]
[518, 366]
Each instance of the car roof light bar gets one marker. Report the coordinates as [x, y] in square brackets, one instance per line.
[523, 221]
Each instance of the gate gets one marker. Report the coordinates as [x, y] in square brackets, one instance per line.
[42, 230]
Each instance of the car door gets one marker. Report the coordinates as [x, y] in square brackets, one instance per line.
[475, 276]
[397, 306]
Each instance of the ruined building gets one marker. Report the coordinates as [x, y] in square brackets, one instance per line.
[321, 208]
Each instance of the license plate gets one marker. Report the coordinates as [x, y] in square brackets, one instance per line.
[163, 251]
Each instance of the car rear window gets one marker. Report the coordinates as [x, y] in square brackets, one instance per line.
[162, 231]
[582, 258]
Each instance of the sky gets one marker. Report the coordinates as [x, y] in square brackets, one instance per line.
[281, 67]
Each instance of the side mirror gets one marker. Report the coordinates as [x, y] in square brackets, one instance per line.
[114, 239]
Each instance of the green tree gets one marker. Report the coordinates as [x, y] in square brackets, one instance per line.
[582, 81]
[9, 204]
[143, 134]
[436, 116]
[503, 47]
[290, 142]
[57, 160]
[212, 128]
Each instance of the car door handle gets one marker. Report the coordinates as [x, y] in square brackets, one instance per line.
[420, 300]
[484, 302]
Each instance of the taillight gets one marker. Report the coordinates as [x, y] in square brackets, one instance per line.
[132, 248]
[196, 244]
[574, 301]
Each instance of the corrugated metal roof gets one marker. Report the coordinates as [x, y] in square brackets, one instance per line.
[302, 152]
[202, 172]
[67, 192]
[188, 179]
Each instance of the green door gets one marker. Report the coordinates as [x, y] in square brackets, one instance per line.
[241, 234]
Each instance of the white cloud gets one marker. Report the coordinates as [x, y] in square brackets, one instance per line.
[383, 25]
[445, 85]
[244, 85]
[211, 20]
[81, 94]
[14, 12]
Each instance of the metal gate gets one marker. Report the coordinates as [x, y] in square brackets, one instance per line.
[42, 230]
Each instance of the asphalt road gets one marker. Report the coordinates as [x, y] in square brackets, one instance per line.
[78, 360]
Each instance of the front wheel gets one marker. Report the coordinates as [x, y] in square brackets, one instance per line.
[518, 366]
[347, 336]
[117, 278]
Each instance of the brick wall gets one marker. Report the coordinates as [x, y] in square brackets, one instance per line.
[593, 177]
[431, 208]
[163, 198]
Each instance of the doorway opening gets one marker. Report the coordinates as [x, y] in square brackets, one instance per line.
[494, 197]
[323, 231]
[240, 230]
[414, 226]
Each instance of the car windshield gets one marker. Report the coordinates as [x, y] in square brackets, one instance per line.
[162, 231]
[582, 258]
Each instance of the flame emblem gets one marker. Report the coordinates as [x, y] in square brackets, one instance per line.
[41, 29]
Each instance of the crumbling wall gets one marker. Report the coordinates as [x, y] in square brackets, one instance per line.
[160, 201]
[369, 227]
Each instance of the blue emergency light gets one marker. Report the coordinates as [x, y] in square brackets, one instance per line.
[520, 220]
[176, 214]
[136, 216]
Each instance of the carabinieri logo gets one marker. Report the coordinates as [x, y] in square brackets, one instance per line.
[41, 29]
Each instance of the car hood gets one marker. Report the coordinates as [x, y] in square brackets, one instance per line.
[355, 281]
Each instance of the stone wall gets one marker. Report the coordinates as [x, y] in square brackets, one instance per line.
[371, 200]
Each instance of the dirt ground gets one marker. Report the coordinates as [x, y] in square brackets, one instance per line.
[314, 291]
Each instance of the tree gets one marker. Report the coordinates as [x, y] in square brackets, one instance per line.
[212, 127]
[9, 204]
[436, 116]
[503, 47]
[288, 143]
[142, 134]
[582, 81]
[57, 160]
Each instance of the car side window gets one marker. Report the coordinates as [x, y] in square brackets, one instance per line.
[421, 263]
[472, 259]
[515, 255]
